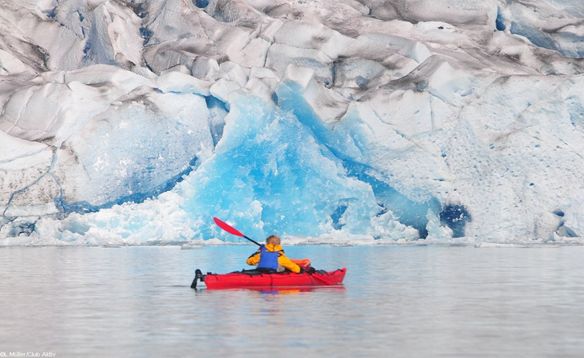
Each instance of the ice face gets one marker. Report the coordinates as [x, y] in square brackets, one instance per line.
[271, 175]
[133, 122]
[352, 147]
[299, 186]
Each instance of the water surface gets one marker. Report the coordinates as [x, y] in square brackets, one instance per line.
[397, 301]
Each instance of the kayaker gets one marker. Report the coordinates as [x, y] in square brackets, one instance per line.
[271, 257]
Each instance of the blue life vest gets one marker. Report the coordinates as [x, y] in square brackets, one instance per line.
[268, 259]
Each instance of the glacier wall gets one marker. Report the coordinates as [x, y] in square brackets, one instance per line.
[135, 121]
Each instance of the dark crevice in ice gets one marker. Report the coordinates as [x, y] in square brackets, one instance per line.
[140, 9]
[562, 229]
[86, 50]
[337, 215]
[216, 124]
[146, 34]
[24, 228]
[500, 21]
[565, 231]
[52, 14]
[455, 217]
[214, 102]
[201, 4]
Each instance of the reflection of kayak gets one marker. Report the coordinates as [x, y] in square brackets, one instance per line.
[255, 279]
[293, 290]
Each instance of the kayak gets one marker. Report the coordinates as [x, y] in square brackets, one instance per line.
[256, 279]
[252, 278]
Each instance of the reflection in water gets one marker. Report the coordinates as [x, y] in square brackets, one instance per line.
[271, 291]
[276, 290]
[294, 291]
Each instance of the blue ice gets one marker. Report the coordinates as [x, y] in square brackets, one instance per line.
[279, 169]
[270, 175]
[569, 45]
[352, 148]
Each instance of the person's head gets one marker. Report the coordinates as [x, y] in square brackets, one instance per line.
[273, 239]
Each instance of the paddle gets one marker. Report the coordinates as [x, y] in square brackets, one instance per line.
[233, 231]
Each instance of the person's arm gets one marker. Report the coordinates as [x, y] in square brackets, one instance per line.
[253, 259]
[285, 262]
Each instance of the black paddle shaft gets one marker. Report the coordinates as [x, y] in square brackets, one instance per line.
[252, 240]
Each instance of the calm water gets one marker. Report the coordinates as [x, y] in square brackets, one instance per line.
[397, 301]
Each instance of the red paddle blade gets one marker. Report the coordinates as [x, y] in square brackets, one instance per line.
[225, 226]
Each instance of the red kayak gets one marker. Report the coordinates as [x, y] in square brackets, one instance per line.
[255, 279]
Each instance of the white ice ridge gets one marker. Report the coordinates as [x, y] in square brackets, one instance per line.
[137, 121]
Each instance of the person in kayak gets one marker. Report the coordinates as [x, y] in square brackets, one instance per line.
[271, 257]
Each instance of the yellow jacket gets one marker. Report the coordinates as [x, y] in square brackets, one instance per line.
[283, 261]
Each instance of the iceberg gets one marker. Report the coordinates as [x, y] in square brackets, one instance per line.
[397, 121]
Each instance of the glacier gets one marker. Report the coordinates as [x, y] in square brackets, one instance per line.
[370, 121]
